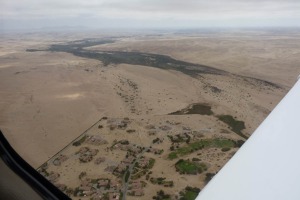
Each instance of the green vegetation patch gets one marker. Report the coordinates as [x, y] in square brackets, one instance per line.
[162, 181]
[78, 48]
[190, 193]
[138, 174]
[161, 195]
[235, 125]
[199, 108]
[189, 167]
[151, 163]
[172, 155]
[195, 146]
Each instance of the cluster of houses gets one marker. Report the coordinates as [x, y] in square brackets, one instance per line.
[144, 162]
[125, 146]
[99, 160]
[61, 187]
[99, 188]
[53, 177]
[163, 127]
[136, 188]
[161, 181]
[118, 123]
[121, 168]
[178, 138]
[134, 149]
[86, 154]
[95, 140]
[155, 151]
[61, 158]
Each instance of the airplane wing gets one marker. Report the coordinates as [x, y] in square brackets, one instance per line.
[267, 166]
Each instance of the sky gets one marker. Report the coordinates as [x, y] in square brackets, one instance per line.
[99, 14]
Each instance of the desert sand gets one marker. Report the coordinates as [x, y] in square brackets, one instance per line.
[47, 99]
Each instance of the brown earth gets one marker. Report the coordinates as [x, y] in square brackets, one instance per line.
[49, 98]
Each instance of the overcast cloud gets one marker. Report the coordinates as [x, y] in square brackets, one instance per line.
[148, 13]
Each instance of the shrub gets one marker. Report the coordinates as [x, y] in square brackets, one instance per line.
[80, 141]
[225, 149]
